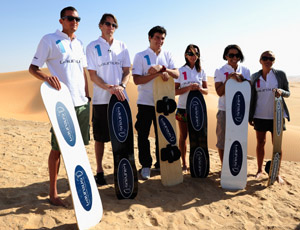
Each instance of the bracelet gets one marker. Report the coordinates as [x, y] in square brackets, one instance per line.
[163, 69]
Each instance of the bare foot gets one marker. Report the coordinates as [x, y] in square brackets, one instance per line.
[58, 202]
[280, 180]
[258, 175]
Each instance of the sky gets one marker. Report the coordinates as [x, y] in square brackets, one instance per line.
[254, 25]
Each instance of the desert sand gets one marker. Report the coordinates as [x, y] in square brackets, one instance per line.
[194, 204]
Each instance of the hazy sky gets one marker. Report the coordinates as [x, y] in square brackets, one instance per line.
[255, 25]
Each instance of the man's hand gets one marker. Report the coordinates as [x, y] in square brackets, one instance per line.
[118, 91]
[165, 76]
[154, 69]
[54, 82]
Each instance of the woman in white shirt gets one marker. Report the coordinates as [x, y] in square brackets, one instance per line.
[231, 70]
[192, 77]
[265, 85]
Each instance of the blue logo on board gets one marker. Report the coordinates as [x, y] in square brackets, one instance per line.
[200, 162]
[125, 178]
[65, 123]
[167, 129]
[83, 188]
[235, 158]
[196, 113]
[278, 118]
[120, 122]
[238, 108]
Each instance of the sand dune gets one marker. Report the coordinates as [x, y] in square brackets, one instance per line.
[21, 100]
[194, 204]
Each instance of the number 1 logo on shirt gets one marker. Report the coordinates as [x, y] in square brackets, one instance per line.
[184, 75]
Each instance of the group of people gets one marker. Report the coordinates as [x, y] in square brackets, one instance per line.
[108, 63]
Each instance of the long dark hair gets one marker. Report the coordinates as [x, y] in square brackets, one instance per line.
[194, 49]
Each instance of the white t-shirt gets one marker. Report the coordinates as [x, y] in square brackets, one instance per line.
[221, 75]
[265, 96]
[188, 76]
[65, 59]
[142, 62]
[108, 61]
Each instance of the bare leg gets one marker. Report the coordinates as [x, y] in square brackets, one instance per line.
[53, 164]
[260, 151]
[99, 151]
[221, 154]
[182, 143]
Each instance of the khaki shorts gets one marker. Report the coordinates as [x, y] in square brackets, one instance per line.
[220, 130]
[83, 116]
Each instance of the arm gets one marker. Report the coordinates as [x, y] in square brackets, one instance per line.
[119, 90]
[113, 89]
[220, 86]
[174, 73]
[193, 86]
[87, 94]
[39, 74]
[284, 91]
[140, 79]
[204, 89]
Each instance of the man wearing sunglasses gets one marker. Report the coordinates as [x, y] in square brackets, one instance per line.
[108, 65]
[65, 65]
[147, 65]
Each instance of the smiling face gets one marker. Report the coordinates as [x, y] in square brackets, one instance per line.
[69, 27]
[157, 41]
[233, 57]
[192, 56]
[267, 60]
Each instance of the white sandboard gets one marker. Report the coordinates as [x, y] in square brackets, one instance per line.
[85, 194]
[234, 169]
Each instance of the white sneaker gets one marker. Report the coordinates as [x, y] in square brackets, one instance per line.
[145, 173]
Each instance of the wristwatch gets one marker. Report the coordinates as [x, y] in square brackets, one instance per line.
[123, 85]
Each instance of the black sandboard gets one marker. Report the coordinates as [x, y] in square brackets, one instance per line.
[197, 128]
[121, 135]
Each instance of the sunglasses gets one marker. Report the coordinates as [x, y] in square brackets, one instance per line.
[71, 18]
[192, 54]
[264, 58]
[110, 24]
[232, 55]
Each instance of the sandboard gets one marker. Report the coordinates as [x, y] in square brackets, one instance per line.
[85, 194]
[197, 128]
[169, 154]
[121, 136]
[274, 165]
[234, 168]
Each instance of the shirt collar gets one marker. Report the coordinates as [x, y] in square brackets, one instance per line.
[104, 41]
[229, 67]
[64, 35]
[151, 51]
